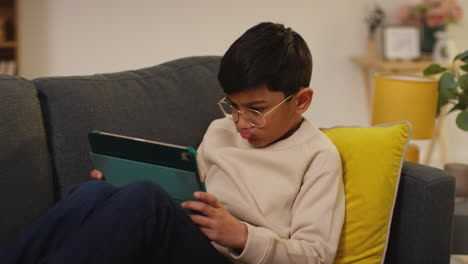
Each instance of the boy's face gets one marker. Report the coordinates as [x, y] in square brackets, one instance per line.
[278, 124]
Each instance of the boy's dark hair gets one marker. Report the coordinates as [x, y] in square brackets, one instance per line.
[270, 54]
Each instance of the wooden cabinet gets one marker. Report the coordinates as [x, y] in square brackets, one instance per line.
[8, 37]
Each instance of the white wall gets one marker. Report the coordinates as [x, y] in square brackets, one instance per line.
[67, 37]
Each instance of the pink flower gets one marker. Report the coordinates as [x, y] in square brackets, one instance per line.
[433, 13]
[436, 17]
[456, 13]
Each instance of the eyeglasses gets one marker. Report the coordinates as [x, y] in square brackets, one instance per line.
[254, 117]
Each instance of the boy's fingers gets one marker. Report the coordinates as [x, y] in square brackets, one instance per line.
[208, 198]
[201, 207]
[95, 174]
[200, 220]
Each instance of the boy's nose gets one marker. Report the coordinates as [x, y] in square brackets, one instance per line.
[243, 123]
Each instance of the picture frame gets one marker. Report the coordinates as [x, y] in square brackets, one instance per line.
[401, 42]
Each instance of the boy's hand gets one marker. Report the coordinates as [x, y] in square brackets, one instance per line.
[216, 222]
[97, 175]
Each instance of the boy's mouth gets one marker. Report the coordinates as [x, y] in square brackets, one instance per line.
[245, 134]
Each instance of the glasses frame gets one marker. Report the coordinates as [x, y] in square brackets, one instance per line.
[243, 112]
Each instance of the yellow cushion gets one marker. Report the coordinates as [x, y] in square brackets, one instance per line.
[372, 158]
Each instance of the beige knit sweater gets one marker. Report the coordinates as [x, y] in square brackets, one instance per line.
[290, 194]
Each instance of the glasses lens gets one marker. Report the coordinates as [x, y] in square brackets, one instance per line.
[255, 118]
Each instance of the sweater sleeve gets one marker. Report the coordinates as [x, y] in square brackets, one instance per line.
[200, 163]
[318, 215]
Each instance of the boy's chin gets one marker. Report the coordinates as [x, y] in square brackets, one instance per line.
[256, 143]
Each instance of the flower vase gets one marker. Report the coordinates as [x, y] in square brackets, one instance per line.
[429, 38]
[444, 48]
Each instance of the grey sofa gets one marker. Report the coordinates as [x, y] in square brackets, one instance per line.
[44, 149]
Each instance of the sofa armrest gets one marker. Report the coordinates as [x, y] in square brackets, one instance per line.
[422, 221]
[460, 229]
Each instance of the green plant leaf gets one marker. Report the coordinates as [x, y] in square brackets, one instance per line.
[464, 67]
[453, 93]
[434, 69]
[442, 100]
[463, 101]
[445, 96]
[447, 81]
[462, 120]
[462, 56]
[463, 81]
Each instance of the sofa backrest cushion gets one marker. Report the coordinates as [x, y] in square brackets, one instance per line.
[25, 169]
[173, 102]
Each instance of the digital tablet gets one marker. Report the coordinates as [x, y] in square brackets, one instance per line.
[124, 160]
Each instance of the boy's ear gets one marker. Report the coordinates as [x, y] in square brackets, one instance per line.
[304, 99]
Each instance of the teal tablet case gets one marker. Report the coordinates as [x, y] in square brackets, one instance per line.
[142, 150]
[180, 184]
[124, 160]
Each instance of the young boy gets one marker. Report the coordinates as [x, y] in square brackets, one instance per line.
[274, 180]
[272, 175]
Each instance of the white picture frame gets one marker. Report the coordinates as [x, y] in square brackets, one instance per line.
[401, 42]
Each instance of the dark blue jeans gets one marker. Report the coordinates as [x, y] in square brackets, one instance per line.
[99, 223]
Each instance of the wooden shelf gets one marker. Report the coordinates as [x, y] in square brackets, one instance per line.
[8, 44]
[392, 66]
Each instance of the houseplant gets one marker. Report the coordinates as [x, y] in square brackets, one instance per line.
[453, 87]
